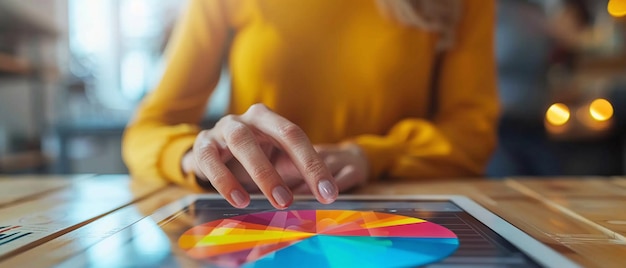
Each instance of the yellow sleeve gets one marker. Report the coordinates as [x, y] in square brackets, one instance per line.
[165, 125]
[459, 140]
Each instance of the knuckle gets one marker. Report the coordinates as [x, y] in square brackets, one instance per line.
[204, 139]
[203, 151]
[204, 134]
[257, 108]
[316, 168]
[263, 173]
[291, 132]
[204, 155]
[225, 121]
[237, 133]
[220, 180]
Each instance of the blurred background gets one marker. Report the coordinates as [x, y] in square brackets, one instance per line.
[73, 71]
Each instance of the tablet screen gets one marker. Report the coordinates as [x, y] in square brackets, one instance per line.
[347, 233]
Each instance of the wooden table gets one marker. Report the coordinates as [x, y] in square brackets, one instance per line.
[583, 218]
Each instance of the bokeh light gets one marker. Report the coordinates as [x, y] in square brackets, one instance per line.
[617, 8]
[558, 114]
[601, 110]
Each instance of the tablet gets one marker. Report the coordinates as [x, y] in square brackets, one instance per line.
[354, 231]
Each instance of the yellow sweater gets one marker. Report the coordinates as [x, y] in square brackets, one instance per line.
[339, 70]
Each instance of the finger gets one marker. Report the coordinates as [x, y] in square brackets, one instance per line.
[208, 161]
[347, 178]
[297, 145]
[334, 164]
[242, 175]
[244, 146]
[286, 169]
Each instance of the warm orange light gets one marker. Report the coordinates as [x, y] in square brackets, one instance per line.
[558, 114]
[601, 110]
[617, 8]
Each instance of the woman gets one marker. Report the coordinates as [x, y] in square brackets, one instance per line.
[344, 87]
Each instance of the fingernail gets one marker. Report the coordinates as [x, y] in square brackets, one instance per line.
[282, 196]
[238, 198]
[327, 190]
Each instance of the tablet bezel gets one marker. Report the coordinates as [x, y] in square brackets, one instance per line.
[537, 251]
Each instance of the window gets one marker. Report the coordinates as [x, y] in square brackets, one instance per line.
[117, 46]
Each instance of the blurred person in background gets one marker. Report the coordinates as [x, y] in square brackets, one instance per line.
[532, 38]
[326, 96]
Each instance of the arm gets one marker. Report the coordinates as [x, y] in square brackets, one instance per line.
[164, 142]
[459, 141]
[165, 125]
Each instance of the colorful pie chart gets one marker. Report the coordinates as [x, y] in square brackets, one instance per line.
[319, 238]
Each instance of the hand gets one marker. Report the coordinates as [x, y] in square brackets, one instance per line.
[252, 139]
[346, 162]
[281, 162]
